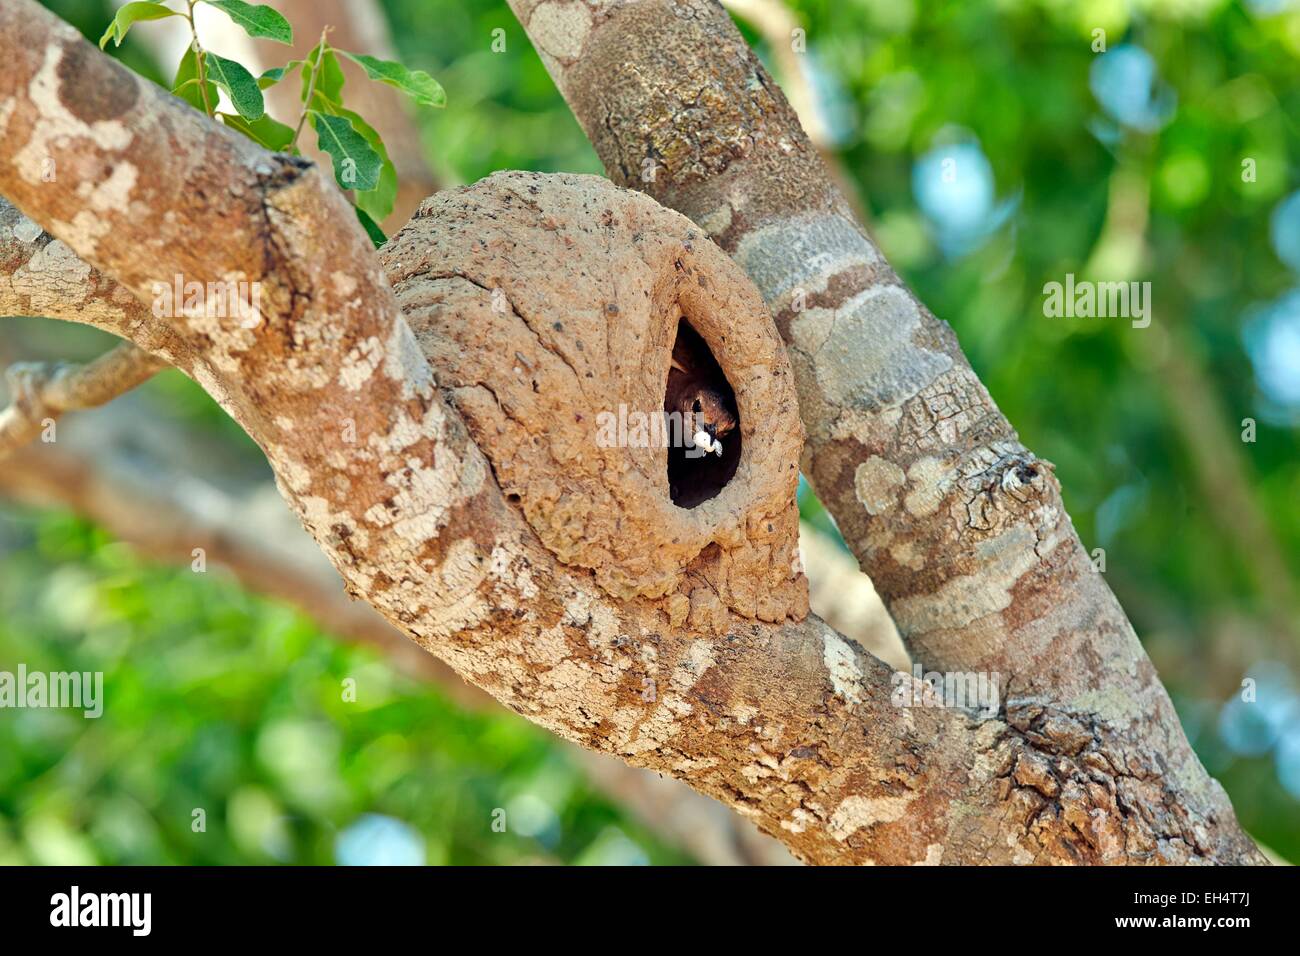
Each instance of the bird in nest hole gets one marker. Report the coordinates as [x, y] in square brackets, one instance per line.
[698, 392]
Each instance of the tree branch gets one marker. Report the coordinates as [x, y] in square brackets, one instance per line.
[960, 527]
[43, 391]
[674, 639]
[155, 489]
[39, 275]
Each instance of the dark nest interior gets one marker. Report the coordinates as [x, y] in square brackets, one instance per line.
[693, 477]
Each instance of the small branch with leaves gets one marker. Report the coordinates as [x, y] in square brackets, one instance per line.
[361, 162]
[40, 392]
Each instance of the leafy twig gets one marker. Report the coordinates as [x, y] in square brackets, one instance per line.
[311, 87]
[200, 56]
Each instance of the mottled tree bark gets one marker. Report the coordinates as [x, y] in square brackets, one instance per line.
[164, 491]
[961, 528]
[667, 660]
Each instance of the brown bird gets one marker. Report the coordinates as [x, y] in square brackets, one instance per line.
[699, 393]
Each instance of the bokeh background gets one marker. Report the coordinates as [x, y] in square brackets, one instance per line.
[1172, 157]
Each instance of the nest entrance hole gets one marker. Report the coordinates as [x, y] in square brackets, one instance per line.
[698, 393]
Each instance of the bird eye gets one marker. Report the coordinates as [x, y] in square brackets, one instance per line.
[696, 406]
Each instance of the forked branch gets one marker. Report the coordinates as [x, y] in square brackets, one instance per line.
[696, 664]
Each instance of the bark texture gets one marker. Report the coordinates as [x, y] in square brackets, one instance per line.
[165, 491]
[748, 700]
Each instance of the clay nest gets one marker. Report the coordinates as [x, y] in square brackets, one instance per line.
[549, 306]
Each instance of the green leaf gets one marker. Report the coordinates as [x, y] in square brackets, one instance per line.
[329, 81]
[372, 228]
[356, 165]
[276, 74]
[239, 84]
[266, 131]
[133, 13]
[378, 202]
[186, 84]
[417, 84]
[256, 19]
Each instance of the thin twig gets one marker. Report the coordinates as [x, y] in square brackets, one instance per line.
[200, 67]
[41, 391]
[311, 88]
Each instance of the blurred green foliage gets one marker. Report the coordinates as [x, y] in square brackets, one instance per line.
[219, 701]
[506, 112]
[224, 701]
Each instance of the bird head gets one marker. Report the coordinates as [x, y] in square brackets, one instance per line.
[709, 411]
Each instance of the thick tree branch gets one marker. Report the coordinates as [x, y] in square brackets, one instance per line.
[696, 663]
[39, 275]
[777, 24]
[155, 488]
[960, 527]
[213, 208]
